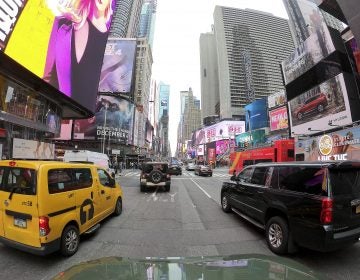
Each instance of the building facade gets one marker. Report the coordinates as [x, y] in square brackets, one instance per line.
[190, 118]
[209, 75]
[144, 63]
[147, 21]
[249, 53]
[126, 19]
[163, 106]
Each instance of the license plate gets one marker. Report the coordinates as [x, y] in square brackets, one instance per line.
[20, 223]
[357, 209]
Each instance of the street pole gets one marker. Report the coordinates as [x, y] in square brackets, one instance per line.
[103, 144]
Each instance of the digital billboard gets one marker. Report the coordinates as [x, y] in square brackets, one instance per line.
[62, 42]
[256, 114]
[276, 99]
[222, 146]
[252, 138]
[224, 129]
[339, 145]
[278, 119]
[318, 46]
[323, 104]
[66, 129]
[113, 120]
[118, 66]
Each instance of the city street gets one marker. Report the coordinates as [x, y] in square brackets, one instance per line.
[187, 221]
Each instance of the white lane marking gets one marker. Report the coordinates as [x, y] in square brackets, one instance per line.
[196, 184]
[172, 197]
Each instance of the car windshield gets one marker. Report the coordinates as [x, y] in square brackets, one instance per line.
[216, 128]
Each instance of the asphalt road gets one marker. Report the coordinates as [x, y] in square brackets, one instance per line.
[187, 221]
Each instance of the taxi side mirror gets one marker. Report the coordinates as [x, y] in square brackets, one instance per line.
[112, 183]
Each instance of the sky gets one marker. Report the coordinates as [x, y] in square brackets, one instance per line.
[176, 45]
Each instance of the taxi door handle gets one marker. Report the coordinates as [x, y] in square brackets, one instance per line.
[102, 191]
[92, 195]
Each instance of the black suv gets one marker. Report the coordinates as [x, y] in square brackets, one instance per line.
[154, 174]
[310, 204]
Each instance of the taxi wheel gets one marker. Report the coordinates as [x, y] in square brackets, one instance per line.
[70, 241]
[118, 207]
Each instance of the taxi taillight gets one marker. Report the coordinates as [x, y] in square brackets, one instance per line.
[44, 227]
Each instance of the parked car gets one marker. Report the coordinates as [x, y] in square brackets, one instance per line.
[175, 169]
[313, 205]
[155, 174]
[46, 206]
[315, 103]
[203, 170]
[190, 166]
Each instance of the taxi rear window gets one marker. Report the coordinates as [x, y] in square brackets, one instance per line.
[18, 180]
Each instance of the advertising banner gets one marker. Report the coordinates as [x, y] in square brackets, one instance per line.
[29, 149]
[118, 66]
[211, 156]
[325, 104]
[224, 129]
[200, 150]
[252, 139]
[256, 114]
[222, 146]
[276, 99]
[113, 120]
[318, 46]
[339, 145]
[66, 129]
[278, 119]
[62, 42]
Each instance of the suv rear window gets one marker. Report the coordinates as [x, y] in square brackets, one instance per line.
[309, 180]
[345, 181]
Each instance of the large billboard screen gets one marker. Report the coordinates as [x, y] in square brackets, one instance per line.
[278, 119]
[276, 99]
[318, 46]
[118, 66]
[62, 42]
[324, 104]
[221, 130]
[252, 138]
[339, 145]
[113, 120]
[256, 114]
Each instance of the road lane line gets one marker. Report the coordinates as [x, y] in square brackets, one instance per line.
[196, 184]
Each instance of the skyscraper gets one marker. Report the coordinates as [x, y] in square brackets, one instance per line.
[126, 19]
[209, 75]
[147, 20]
[250, 46]
[190, 118]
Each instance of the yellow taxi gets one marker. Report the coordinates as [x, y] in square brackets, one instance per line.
[45, 206]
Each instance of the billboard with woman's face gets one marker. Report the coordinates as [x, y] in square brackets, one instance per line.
[60, 41]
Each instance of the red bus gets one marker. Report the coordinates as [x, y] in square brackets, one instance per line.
[280, 151]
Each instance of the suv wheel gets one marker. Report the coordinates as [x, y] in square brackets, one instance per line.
[69, 241]
[320, 108]
[225, 205]
[277, 235]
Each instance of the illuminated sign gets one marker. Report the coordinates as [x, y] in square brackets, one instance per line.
[44, 37]
[278, 119]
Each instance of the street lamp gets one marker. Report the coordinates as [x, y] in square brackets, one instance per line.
[103, 144]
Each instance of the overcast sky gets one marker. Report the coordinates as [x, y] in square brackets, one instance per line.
[176, 44]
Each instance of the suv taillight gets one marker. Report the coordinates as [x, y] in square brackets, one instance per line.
[44, 227]
[326, 216]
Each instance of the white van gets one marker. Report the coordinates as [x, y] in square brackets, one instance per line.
[89, 156]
